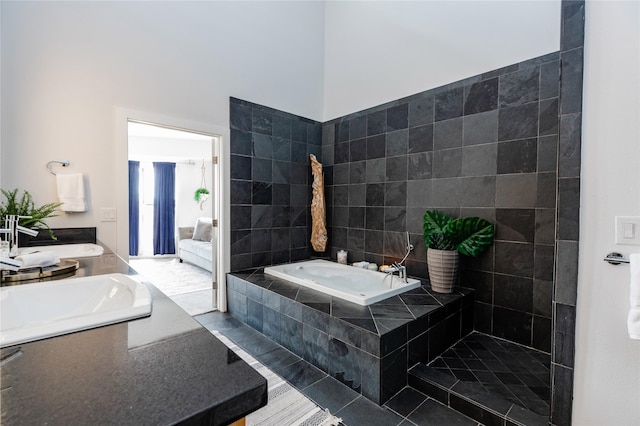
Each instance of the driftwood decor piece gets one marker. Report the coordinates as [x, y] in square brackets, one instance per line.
[318, 211]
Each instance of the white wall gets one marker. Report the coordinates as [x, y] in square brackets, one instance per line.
[377, 52]
[607, 369]
[68, 66]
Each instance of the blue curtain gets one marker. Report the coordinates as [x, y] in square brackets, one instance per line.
[134, 207]
[164, 208]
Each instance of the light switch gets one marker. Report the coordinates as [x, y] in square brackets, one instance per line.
[627, 230]
[108, 215]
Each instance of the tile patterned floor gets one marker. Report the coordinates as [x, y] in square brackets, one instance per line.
[517, 373]
[408, 407]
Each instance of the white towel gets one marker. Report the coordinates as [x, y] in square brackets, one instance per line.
[39, 258]
[633, 320]
[71, 192]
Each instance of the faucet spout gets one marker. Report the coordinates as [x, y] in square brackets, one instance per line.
[10, 264]
[12, 227]
[402, 271]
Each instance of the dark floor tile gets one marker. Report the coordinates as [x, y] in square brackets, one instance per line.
[508, 378]
[405, 401]
[465, 375]
[364, 412]
[428, 388]
[278, 359]
[453, 362]
[495, 365]
[475, 364]
[240, 334]
[486, 377]
[431, 374]
[464, 352]
[434, 413]
[218, 321]
[527, 417]
[330, 393]
[478, 393]
[501, 390]
[301, 374]
[475, 412]
[543, 392]
[258, 346]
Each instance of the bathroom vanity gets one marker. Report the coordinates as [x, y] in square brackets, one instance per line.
[161, 369]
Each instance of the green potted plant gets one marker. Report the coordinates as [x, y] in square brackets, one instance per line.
[24, 206]
[446, 237]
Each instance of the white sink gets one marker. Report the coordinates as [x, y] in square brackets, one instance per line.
[30, 312]
[67, 250]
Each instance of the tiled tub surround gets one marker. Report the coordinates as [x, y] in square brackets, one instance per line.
[484, 146]
[368, 348]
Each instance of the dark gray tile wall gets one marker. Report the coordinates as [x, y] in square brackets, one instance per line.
[564, 292]
[485, 146]
[270, 184]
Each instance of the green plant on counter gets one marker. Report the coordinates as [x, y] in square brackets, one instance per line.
[469, 236]
[24, 206]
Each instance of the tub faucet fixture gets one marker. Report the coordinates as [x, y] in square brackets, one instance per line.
[401, 269]
[398, 266]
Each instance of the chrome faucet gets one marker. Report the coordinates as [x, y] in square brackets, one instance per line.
[401, 269]
[12, 228]
[398, 266]
[9, 264]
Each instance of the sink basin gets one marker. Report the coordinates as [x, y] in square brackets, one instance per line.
[67, 250]
[31, 312]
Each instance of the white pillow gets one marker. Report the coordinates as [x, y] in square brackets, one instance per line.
[203, 231]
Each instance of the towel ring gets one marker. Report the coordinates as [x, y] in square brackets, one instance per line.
[64, 163]
[615, 258]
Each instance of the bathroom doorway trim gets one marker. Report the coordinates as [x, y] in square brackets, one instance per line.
[221, 178]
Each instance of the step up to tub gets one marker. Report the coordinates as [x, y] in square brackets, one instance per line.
[489, 380]
[368, 348]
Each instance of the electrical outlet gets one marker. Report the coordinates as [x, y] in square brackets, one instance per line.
[108, 215]
[628, 230]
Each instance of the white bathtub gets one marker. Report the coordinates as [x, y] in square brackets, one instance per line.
[31, 312]
[67, 250]
[353, 284]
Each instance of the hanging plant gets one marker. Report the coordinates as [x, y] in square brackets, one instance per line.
[201, 194]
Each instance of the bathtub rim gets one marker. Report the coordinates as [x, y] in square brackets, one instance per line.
[274, 271]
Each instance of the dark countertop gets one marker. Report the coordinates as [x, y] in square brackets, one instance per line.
[163, 369]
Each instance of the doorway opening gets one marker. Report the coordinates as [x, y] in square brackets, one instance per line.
[173, 232]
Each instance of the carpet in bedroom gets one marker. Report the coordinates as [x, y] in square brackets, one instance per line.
[189, 286]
